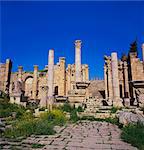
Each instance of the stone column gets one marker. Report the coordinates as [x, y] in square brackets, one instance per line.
[20, 70]
[115, 81]
[83, 73]
[87, 72]
[50, 78]
[62, 77]
[143, 51]
[68, 78]
[35, 82]
[110, 88]
[105, 81]
[7, 76]
[126, 85]
[126, 79]
[78, 77]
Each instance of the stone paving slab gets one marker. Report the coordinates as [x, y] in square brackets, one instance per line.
[85, 135]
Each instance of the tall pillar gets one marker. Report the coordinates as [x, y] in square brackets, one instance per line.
[62, 78]
[115, 81]
[7, 75]
[68, 78]
[143, 51]
[105, 81]
[126, 79]
[35, 82]
[50, 78]
[110, 88]
[78, 77]
[20, 70]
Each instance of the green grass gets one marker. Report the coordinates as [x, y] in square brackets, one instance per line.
[6, 109]
[27, 125]
[73, 111]
[134, 134]
[114, 109]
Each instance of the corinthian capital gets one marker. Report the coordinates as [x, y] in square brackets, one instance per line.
[78, 43]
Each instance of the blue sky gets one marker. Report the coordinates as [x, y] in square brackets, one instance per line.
[30, 29]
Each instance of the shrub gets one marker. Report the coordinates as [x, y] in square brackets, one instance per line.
[6, 109]
[114, 109]
[134, 134]
[27, 125]
[80, 109]
[56, 117]
[73, 116]
[24, 126]
[43, 127]
[66, 107]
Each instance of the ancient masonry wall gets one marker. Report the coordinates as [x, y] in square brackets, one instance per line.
[5, 73]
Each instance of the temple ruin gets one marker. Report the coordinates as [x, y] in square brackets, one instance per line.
[56, 84]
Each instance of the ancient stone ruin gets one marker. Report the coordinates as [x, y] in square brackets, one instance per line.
[56, 84]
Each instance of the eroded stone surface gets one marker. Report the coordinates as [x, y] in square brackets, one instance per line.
[85, 135]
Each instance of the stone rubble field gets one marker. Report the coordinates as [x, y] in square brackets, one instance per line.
[84, 135]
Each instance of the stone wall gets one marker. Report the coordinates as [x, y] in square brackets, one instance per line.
[5, 73]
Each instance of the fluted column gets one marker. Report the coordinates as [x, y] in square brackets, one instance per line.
[35, 82]
[50, 78]
[20, 70]
[115, 81]
[78, 77]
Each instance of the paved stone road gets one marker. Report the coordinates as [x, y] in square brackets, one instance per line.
[82, 136]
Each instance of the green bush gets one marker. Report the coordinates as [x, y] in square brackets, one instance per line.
[55, 116]
[6, 109]
[114, 109]
[80, 109]
[66, 107]
[134, 134]
[27, 125]
[21, 127]
[43, 127]
[73, 116]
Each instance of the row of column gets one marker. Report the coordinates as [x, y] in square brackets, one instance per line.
[50, 93]
[35, 78]
[112, 85]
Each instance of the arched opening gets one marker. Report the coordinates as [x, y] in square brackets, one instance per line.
[28, 86]
[56, 90]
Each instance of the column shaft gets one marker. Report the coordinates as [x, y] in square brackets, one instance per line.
[35, 82]
[50, 77]
[110, 88]
[78, 60]
[105, 80]
[115, 80]
[126, 80]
